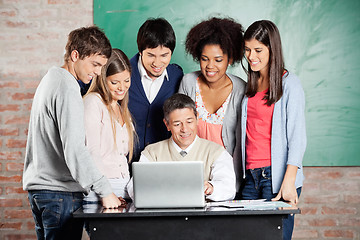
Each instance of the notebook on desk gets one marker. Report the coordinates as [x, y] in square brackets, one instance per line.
[168, 184]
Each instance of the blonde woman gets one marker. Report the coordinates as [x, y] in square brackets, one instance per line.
[108, 125]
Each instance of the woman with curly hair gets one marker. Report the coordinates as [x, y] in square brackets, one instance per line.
[216, 44]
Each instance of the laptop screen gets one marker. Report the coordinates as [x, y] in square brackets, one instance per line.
[168, 184]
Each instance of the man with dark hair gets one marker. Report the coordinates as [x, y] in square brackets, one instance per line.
[58, 168]
[180, 118]
[153, 80]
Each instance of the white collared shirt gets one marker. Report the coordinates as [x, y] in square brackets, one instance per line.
[222, 175]
[187, 149]
[151, 87]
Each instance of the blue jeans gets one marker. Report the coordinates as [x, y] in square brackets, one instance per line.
[258, 186]
[52, 212]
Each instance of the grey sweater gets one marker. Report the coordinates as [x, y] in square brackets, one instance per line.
[56, 156]
[188, 87]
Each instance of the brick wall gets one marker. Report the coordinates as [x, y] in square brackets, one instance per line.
[32, 39]
[330, 204]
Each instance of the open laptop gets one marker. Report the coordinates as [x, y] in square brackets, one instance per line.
[168, 184]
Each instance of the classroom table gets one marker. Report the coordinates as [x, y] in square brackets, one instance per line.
[211, 222]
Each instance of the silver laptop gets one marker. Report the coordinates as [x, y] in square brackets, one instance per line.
[168, 184]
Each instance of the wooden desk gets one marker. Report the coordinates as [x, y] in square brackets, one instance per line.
[191, 224]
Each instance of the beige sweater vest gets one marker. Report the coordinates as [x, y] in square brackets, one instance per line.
[203, 150]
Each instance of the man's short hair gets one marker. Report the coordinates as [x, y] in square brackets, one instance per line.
[178, 101]
[156, 32]
[88, 41]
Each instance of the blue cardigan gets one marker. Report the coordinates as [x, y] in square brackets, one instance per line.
[288, 133]
[148, 118]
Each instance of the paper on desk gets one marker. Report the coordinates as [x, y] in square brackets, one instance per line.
[236, 203]
[259, 204]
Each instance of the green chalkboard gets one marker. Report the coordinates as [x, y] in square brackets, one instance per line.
[321, 45]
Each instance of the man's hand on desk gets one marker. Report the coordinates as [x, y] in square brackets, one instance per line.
[208, 188]
[111, 201]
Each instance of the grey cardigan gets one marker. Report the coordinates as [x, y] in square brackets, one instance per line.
[188, 87]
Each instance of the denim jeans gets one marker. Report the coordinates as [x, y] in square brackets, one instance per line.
[52, 212]
[258, 186]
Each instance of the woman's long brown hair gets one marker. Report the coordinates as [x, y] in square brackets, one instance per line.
[268, 34]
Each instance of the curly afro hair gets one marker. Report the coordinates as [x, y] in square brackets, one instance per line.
[224, 32]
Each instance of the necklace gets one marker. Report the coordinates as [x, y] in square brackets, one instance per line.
[117, 112]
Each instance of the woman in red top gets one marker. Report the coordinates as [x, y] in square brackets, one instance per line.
[273, 123]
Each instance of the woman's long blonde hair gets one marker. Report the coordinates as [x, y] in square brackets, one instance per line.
[117, 63]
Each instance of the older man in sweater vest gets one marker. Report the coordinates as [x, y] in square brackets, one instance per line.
[180, 118]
